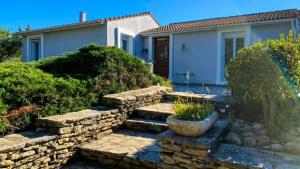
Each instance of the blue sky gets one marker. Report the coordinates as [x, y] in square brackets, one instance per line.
[43, 13]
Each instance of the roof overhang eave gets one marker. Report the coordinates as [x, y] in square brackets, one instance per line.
[81, 25]
[215, 27]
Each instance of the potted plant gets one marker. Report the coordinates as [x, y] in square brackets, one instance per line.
[192, 119]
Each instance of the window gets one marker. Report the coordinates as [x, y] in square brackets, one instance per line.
[125, 45]
[228, 50]
[240, 43]
[35, 50]
[232, 45]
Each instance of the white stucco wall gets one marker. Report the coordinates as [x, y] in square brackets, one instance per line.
[199, 57]
[134, 25]
[269, 31]
[59, 42]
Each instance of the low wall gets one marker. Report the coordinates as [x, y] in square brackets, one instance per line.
[57, 137]
[128, 101]
[190, 152]
[42, 149]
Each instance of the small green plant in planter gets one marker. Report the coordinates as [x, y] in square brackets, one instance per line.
[192, 119]
[192, 111]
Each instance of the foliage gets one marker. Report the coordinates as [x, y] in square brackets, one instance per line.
[109, 69]
[23, 85]
[192, 111]
[10, 46]
[59, 85]
[258, 85]
[286, 53]
[163, 81]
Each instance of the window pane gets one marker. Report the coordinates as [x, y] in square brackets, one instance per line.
[124, 45]
[240, 43]
[228, 50]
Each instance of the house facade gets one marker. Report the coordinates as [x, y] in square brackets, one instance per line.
[200, 49]
[122, 32]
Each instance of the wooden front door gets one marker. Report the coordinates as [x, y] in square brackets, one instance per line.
[161, 58]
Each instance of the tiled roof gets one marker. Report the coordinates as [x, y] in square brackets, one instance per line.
[216, 22]
[82, 24]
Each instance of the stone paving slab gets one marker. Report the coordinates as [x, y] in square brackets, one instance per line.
[60, 120]
[146, 125]
[234, 156]
[18, 141]
[199, 97]
[133, 95]
[131, 146]
[160, 107]
[156, 111]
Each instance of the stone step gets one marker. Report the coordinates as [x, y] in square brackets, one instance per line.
[237, 157]
[124, 149]
[146, 125]
[219, 100]
[156, 111]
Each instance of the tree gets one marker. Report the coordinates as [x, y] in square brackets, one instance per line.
[10, 45]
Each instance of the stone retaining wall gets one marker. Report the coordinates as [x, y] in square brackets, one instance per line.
[57, 137]
[41, 149]
[190, 152]
[128, 101]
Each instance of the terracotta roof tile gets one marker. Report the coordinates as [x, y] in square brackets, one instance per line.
[87, 23]
[216, 22]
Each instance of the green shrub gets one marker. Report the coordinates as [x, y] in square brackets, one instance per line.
[259, 88]
[286, 53]
[163, 81]
[10, 46]
[73, 82]
[110, 69]
[192, 111]
[23, 84]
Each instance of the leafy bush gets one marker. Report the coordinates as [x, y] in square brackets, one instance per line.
[286, 53]
[259, 88]
[10, 46]
[192, 111]
[59, 85]
[110, 69]
[23, 85]
[163, 81]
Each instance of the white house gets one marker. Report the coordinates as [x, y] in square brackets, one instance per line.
[201, 47]
[122, 32]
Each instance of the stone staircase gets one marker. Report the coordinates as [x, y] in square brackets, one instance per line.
[135, 144]
[150, 118]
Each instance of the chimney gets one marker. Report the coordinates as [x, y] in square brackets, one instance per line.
[28, 28]
[82, 17]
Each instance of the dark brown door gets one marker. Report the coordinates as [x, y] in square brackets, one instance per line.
[161, 58]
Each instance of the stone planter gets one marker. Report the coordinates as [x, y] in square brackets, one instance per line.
[192, 128]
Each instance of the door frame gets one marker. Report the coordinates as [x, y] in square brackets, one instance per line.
[28, 46]
[155, 53]
[151, 49]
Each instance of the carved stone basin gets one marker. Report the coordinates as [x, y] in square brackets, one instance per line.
[192, 128]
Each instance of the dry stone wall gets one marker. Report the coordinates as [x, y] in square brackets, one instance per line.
[128, 101]
[42, 149]
[57, 137]
[190, 152]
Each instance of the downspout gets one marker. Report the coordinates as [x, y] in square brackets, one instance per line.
[297, 25]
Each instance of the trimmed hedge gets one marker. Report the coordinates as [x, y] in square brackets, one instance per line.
[63, 84]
